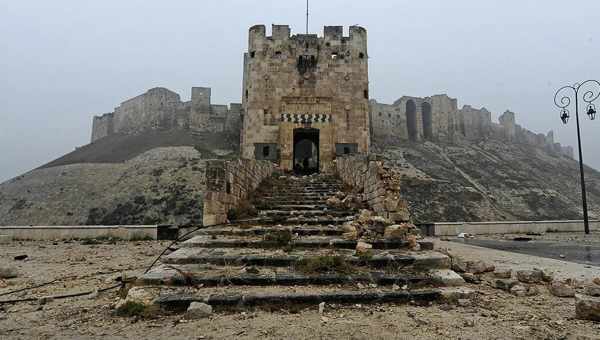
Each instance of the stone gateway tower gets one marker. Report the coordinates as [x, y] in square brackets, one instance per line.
[305, 97]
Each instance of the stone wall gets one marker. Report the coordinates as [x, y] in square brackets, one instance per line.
[162, 109]
[229, 182]
[437, 118]
[378, 183]
[102, 126]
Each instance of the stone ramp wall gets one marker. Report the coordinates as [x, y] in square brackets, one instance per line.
[378, 183]
[229, 182]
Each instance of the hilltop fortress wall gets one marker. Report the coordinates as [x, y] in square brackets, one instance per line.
[438, 118]
[435, 118]
[162, 109]
[306, 97]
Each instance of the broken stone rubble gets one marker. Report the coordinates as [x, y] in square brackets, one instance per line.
[198, 310]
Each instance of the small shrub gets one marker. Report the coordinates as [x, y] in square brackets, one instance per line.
[136, 309]
[279, 238]
[157, 172]
[324, 264]
[365, 256]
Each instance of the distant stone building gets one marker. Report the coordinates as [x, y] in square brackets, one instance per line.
[162, 109]
[438, 118]
[305, 101]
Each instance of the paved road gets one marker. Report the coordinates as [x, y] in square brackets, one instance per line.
[573, 252]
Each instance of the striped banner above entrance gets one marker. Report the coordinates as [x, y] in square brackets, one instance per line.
[303, 118]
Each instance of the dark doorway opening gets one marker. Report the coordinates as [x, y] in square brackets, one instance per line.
[306, 151]
[411, 120]
[427, 121]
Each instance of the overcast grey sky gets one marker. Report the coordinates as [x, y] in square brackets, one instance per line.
[62, 61]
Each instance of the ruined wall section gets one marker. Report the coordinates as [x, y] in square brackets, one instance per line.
[437, 118]
[474, 124]
[162, 109]
[377, 182]
[414, 118]
[157, 108]
[102, 126]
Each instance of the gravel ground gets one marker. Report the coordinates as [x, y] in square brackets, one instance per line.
[492, 314]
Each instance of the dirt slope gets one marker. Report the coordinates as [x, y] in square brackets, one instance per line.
[490, 180]
[163, 185]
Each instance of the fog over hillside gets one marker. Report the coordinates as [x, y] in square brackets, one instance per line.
[64, 61]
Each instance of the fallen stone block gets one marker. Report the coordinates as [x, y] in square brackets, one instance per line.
[592, 289]
[518, 290]
[530, 276]
[547, 276]
[142, 295]
[502, 273]
[561, 289]
[447, 277]
[504, 284]
[587, 308]
[458, 265]
[479, 267]
[396, 231]
[350, 232]
[363, 248]
[471, 278]
[8, 272]
[198, 310]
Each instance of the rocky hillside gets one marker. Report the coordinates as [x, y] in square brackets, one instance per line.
[163, 185]
[148, 179]
[490, 180]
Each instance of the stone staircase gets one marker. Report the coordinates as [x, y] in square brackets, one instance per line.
[293, 253]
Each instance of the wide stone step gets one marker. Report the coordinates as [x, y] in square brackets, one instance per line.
[307, 185]
[306, 213]
[274, 240]
[194, 275]
[278, 258]
[262, 230]
[320, 220]
[287, 298]
[301, 206]
[291, 201]
[298, 195]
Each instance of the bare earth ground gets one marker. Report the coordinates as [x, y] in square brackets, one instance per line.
[493, 314]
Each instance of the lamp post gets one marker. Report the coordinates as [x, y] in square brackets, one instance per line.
[591, 92]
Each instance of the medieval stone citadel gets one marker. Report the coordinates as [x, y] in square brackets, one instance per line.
[306, 100]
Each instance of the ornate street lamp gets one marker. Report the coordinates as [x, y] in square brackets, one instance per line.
[592, 92]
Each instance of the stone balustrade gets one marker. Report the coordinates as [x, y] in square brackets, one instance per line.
[228, 183]
[378, 183]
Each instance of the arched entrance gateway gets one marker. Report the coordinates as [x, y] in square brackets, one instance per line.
[306, 151]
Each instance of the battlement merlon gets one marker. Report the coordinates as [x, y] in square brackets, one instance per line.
[258, 39]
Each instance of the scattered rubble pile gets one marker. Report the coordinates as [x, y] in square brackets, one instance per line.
[369, 227]
[532, 282]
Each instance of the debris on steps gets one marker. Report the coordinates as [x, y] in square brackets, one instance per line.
[297, 251]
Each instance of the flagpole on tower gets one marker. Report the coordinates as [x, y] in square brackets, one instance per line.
[306, 16]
